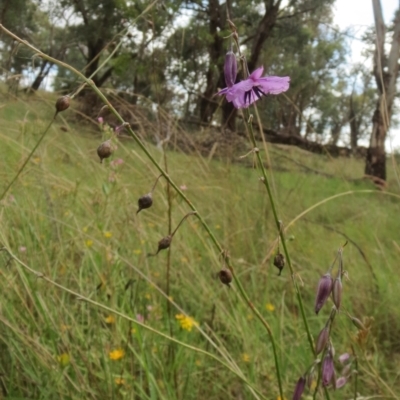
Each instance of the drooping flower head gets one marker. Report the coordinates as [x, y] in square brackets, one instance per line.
[299, 389]
[246, 92]
[323, 291]
[328, 369]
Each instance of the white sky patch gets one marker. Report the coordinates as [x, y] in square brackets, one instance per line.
[357, 15]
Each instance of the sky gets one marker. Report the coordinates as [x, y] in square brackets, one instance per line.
[358, 15]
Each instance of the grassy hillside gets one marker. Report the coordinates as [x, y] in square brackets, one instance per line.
[74, 220]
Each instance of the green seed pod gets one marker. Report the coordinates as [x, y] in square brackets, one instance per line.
[104, 150]
[62, 103]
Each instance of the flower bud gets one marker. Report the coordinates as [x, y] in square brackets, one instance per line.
[327, 369]
[62, 103]
[299, 389]
[324, 290]
[225, 276]
[230, 68]
[279, 262]
[164, 243]
[340, 382]
[104, 150]
[337, 292]
[144, 202]
[322, 340]
[343, 358]
[358, 324]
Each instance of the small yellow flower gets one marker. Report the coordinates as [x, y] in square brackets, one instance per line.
[110, 319]
[67, 213]
[270, 307]
[36, 160]
[107, 234]
[198, 363]
[142, 241]
[119, 381]
[85, 229]
[133, 331]
[156, 274]
[63, 359]
[184, 259]
[147, 296]
[137, 251]
[280, 398]
[186, 323]
[245, 357]
[217, 226]
[89, 243]
[116, 354]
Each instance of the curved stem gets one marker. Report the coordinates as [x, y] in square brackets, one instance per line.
[27, 159]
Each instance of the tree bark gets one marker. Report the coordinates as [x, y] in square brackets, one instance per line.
[386, 70]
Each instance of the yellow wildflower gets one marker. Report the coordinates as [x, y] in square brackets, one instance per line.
[184, 259]
[107, 234]
[270, 307]
[63, 359]
[89, 243]
[245, 357]
[110, 319]
[119, 381]
[116, 354]
[217, 226]
[137, 251]
[147, 296]
[187, 323]
[36, 160]
[85, 229]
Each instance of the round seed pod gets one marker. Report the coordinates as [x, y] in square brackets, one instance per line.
[62, 103]
[144, 202]
[104, 150]
[279, 262]
[225, 276]
[164, 243]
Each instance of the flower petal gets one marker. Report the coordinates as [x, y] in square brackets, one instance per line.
[274, 84]
[256, 74]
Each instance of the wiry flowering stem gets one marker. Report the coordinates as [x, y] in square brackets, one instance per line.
[141, 145]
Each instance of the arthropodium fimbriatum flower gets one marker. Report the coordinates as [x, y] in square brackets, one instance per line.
[299, 389]
[322, 340]
[323, 291]
[337, 291]
[327, 368]
[230, 68]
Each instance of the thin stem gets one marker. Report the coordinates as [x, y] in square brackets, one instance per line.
[166, 176]
[180, 223]
[28, 158]
[155, 183]
[280, 230]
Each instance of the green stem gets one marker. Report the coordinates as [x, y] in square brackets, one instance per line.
[170, 181]
[27, 159]
[280, 230]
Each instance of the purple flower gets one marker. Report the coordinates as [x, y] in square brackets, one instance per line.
[299, 389]
[327, 369]
[337, 292]
[246, 92]
[230, 68]
[322, 340]
[344, 358]
[324, 290]
[340, 382]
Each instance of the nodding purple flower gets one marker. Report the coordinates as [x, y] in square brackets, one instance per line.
[230, 68]
[324, 290]
[299, 389]
[322, 340]
[340, 382]
[337, 292]
[246, 92]
[343, 358]
[327, 369]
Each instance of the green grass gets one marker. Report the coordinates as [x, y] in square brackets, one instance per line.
[74, 220]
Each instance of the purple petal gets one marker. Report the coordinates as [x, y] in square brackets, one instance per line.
[239, 89]
[256, 74]
[299, 389]
[341, 382]
[344, 357]
[223, 91]
[327, 369]
[274, 84]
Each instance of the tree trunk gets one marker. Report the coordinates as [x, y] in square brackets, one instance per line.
[386, 69]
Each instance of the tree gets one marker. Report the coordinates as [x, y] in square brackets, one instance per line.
[386, 69]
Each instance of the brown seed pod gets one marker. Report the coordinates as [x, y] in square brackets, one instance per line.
[279, 262]
[62, 103]
[144, 202]
[164, 243]
[225, 276]
[104, 150]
